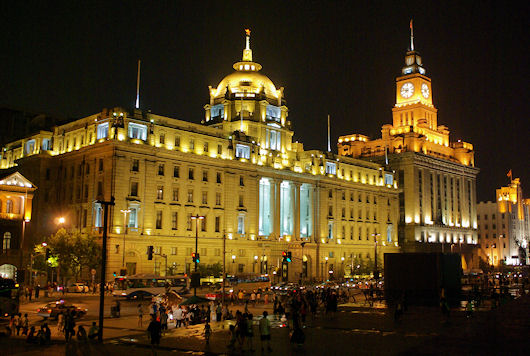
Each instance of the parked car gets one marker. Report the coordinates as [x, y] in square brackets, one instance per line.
[77, 288]
[218, 295]
[52, 310]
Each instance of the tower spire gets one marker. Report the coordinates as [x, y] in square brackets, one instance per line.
[247, 52]
[138, 87]
[411, 36]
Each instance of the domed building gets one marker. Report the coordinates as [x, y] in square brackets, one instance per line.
[254, 193]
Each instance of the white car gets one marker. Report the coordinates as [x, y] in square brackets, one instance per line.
[77, 288]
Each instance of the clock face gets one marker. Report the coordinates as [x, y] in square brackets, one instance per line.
[425, 90]
[407, 90]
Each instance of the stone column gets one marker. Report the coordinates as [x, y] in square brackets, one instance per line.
[275, 203]
[296, 232]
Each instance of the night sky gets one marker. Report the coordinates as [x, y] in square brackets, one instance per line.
[335, 57]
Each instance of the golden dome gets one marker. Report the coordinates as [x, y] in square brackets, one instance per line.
[246, 79]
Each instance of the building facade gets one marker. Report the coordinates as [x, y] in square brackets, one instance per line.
[504, 227]
[438, 201]
[258, 191]
[16, 197]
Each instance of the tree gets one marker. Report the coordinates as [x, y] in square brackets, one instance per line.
[215, 270]
[71, 252]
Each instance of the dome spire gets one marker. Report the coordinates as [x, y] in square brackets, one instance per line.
[247, 52]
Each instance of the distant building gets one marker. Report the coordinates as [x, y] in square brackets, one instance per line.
[16, 196]
[240, 169]
[504, 227]
[438, 201]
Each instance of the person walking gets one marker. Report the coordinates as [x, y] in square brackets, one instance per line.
[219, 312]
[179, 315]
[207, 332]
[17, 323]
[140, 314]
[25, 324]
[163, 320]
[265, 331]
[154, 329]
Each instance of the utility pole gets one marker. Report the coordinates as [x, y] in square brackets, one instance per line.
[106, 205]
[196, 218]
[224, 269]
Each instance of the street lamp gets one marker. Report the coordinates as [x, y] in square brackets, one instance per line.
[376, 272]
[234, 261]
[342, 266]
[491, 252]
[61, 220]
[125, 212]
[255, 263]
[196, 218]
[327, 271]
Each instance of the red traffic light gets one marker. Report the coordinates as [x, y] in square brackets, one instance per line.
[284, 253]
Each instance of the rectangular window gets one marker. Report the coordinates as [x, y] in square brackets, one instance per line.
[204, 198]
[98, 215]
[159, 219]
[218, 177]
[175, 194]
[101, 165]
[173, 251]
[177, 141]
[242, 151]
[134, 189]
[331, 168]
[241, 224]
[135, 165]
[205, 176]
[174, 220]
[192, 145]
[217, 198]
[241, 200]
[217, 223]
[219, 149]
[204, 251]
[188, 223]
[190, 195]
[160, 192]
[330, 211]
[241, 181]
[162, 139]
[190, 174]
[176, 171]
[103, 130]
[133, 217]
[203, 224]
[206, 147]
[217, 252]
[161, 169]
[137, 131]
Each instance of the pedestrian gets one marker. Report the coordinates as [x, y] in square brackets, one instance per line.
[30, 292]
[118, 308]
[266, 298]
[253, 298]
[25, 324]
[93, 331]
[219, 312]
[178, 314]
[233, 337]
[241, 328]
[32, 338]
[69, 326]
[163, 320]
[297, 336]
[154, 329]
[469, 309]
[60, 322]
[207, 332]
[250, 333]
[37, 291]
[140, 314]
[265, 331]
[81, 334]
[17, 322]
[47, 333]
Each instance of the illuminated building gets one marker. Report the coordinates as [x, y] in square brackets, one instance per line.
[16, 196]
[240, 169]
[438, 177]
[504, 227]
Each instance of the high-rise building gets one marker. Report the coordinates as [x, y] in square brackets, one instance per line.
[438, 202]
[240, 169]
[504, 227]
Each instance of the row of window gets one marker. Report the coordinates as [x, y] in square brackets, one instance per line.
[9, 207]
[369, 199]
[493, 236]
[6, 241]
[492, 216]
[360, 215]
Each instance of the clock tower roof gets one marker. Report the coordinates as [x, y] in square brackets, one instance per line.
[413, 62]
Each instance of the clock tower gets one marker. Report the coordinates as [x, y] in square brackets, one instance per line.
[414, 105]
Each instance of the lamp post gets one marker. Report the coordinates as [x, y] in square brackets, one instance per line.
[255, 263]
[303, 244]
[234, 263]
[125, 212]
[342, 266]
[492, 246]
[376, 272]
[196, 218]
[327, 271]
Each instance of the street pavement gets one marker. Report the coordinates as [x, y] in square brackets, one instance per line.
[357, 329]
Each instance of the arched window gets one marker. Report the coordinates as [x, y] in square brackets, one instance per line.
[6, 242]
[9, 206]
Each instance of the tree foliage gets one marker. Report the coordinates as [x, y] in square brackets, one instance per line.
[71, 252]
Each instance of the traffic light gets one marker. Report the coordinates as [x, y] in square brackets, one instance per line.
[195, 257]
[150, 250]
[284, 255]
[289, 256]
